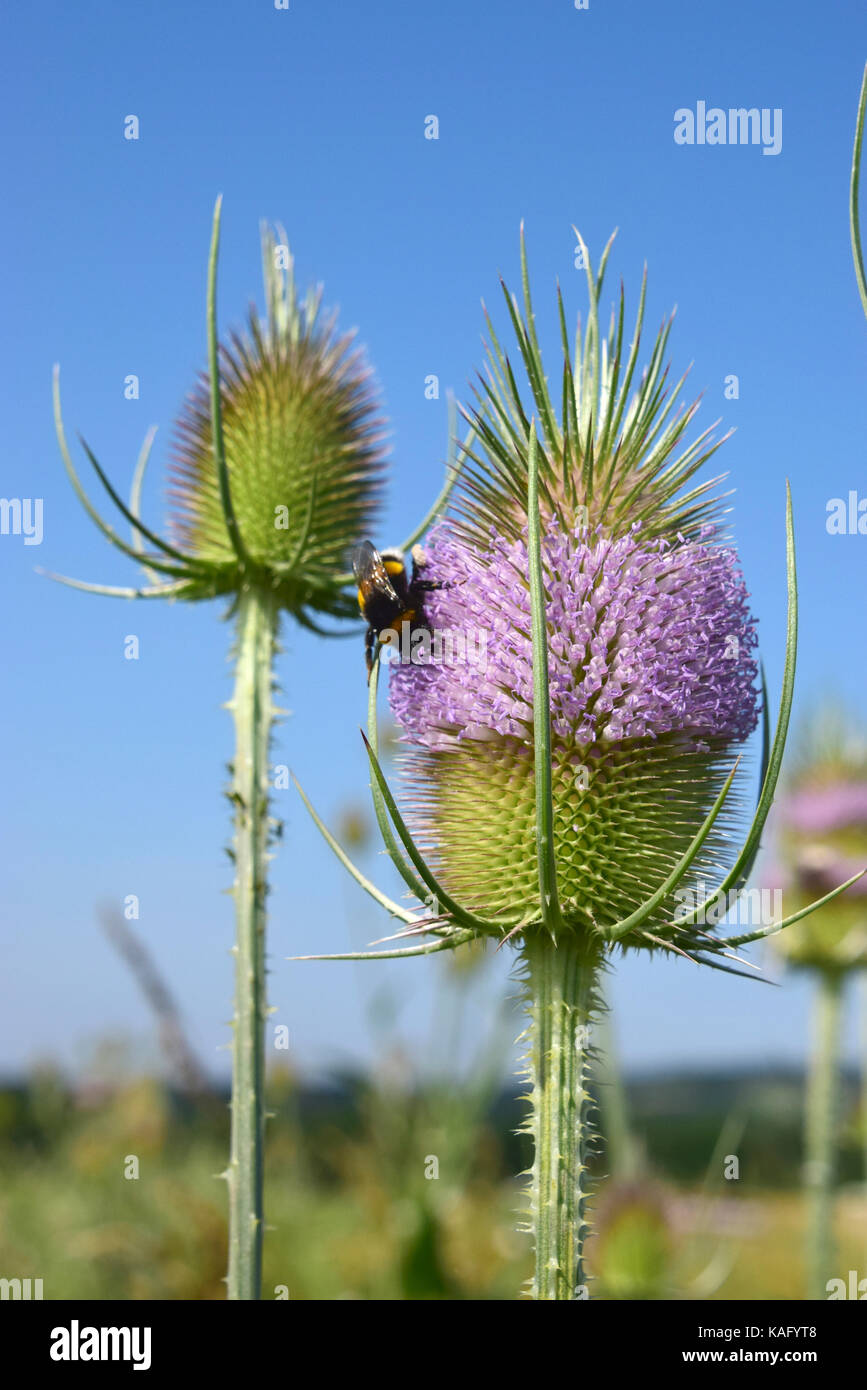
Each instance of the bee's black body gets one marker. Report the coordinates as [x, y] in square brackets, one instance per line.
[387, 596]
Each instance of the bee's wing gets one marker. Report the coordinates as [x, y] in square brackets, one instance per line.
[370, 572]
[364, 558]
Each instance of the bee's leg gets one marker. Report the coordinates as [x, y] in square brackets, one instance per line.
[369, 646]
[427, 586]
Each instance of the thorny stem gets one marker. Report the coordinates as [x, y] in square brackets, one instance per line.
[561, 982]
[821, 1128]
[253, 714]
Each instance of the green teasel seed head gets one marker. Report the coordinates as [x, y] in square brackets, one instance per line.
[303, 444]
[278, 460]
[622, 819]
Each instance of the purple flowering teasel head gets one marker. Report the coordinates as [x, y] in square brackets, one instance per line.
[652, 679]
[650, 647]
[574, 766]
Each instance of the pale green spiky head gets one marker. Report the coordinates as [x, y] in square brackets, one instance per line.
[623, 817]
[303, 446]
[278, 460]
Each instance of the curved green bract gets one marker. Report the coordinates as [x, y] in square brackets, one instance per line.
[372, 741]
[429, 949]
[135, 523]
[394, 908]
[854, 194]
[135, 495]
[773, 762]
[85, 501]
[453, 472]
[176, 590]
[221, 465]
[795, 916]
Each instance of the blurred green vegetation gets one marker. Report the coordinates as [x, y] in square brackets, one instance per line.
[396, 1184]
[356, 1208]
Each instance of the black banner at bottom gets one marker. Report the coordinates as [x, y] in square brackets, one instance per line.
[63, 1339]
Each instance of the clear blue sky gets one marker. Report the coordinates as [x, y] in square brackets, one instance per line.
[112, 770]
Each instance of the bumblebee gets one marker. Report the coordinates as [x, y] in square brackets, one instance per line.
[387, 596]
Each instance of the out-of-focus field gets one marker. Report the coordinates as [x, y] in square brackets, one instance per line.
[357, 1213]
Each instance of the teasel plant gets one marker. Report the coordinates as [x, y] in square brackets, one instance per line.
[820, 835]
[562, 794]
[278, 464]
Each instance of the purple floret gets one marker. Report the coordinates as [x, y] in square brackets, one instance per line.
[644, 640]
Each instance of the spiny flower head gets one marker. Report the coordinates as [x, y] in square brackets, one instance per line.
[649, 644]
[302, 441]
[277, 462]
[581, 674]
[652, 674]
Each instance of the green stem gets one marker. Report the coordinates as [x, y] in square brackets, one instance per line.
[821, 1129]
[253, 714]
[562, 1003]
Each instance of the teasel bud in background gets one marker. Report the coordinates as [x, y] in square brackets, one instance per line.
[567, 775]
[634, 1248]
[820, 835]
[820, 826]
[278, 468]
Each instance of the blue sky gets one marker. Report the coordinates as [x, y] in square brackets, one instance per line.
[314, 117]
